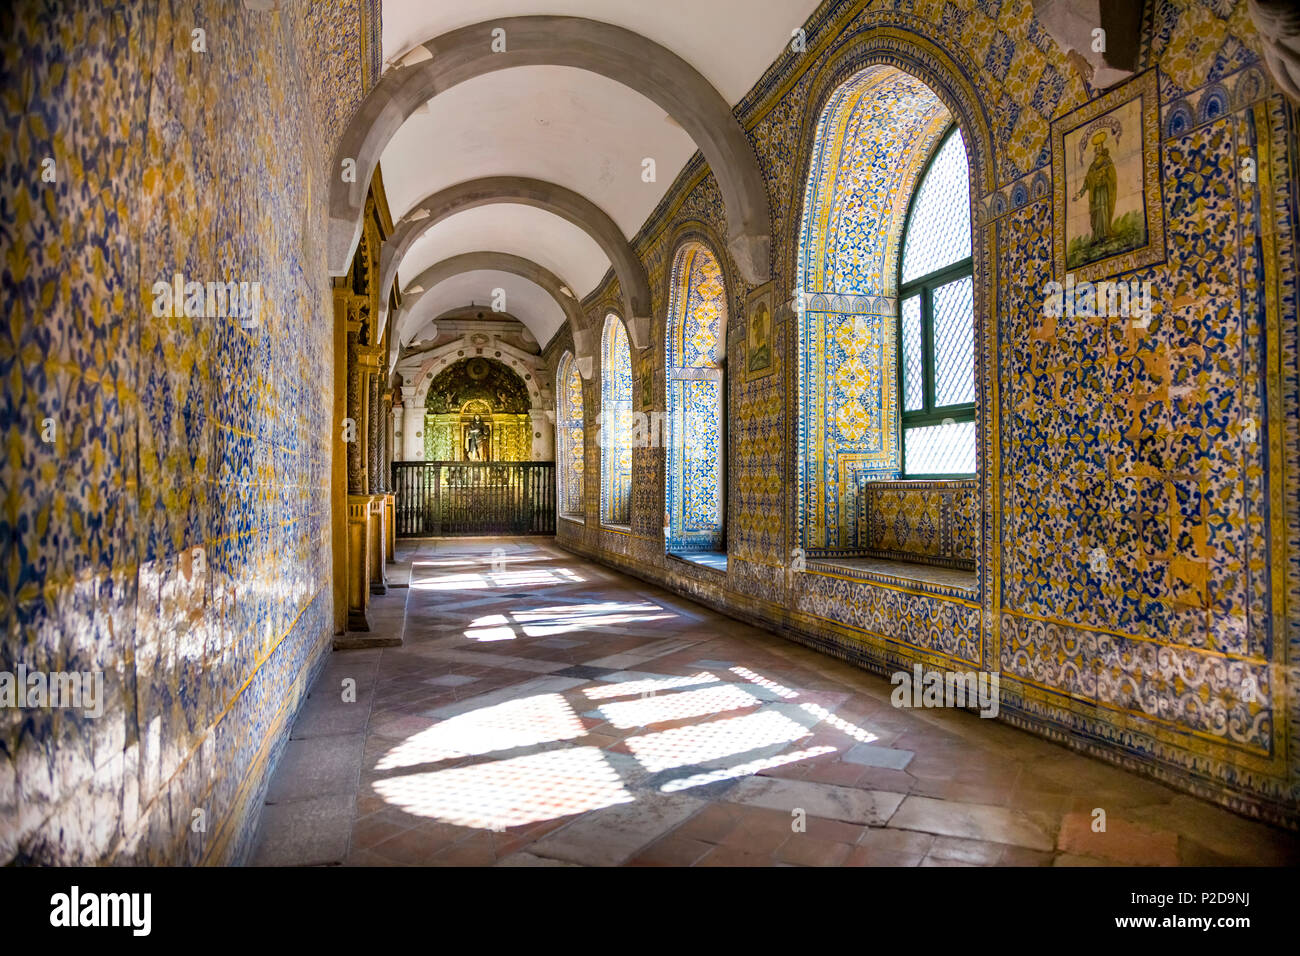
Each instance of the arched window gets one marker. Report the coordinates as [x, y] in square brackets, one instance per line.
[936, 321]
[873, 140]
[615, 424]
[697, 316]
[570, 447]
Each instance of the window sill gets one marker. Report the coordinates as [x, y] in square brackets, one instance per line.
[925, 577]
[576, 519]
[715, 560]
[969, 481]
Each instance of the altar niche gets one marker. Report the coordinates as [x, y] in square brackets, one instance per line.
[478, 411]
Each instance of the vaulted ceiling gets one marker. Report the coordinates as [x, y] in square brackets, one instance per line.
[558, 124]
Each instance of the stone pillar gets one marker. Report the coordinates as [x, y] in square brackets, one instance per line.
[378, 546]
[374, 438]
[412, 426]
[386, 441]
[356, 403]
[390, 514]
[399, 440]
[543, 434]
[359, 548]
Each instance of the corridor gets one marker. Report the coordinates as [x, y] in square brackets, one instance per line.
[386, 379]
[546, 711]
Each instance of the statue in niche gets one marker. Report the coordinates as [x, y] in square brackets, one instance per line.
[476, 440]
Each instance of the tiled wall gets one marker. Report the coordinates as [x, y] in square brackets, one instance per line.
[1153, 665]
[169, 434]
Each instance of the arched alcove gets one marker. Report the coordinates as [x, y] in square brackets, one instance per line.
[694, 393]
[875, 137]
[570, 438]
[615, 424]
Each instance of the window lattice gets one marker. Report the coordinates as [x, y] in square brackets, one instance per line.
[938, 231]
[936, 321]
[954, 343]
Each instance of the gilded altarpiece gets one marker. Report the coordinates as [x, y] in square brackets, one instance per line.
[475, 396]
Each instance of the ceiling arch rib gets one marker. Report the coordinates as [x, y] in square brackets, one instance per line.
[562, 202]
[525, 301]
[624, 56]
[439, 290]
[519, 230]
[559, 124]
[695, 31]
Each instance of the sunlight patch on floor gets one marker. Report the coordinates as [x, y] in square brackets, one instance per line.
[647, 686]
[544, 718]
[714, 740]
[743, 769]
[510, 793]
[655, 709]
[779, 689]
[481, 580]
[859, 734]
[550, 621]
[494, 627]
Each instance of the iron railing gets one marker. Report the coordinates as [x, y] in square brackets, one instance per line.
[439, 498]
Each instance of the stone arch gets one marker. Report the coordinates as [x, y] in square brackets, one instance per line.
[419, 378]
[499, 262]
[619, 54]
[565, 203]
[495, 376]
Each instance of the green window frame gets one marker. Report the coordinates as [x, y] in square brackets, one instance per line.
[930, 412]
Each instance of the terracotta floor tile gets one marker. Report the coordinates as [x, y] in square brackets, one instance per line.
[903, 842]
[419, 845]
[469, 852]
[865, 856]
[836, 831]
[712, 824]
[672, 851]
[1122, 841]
[733, 856]
[804, 850]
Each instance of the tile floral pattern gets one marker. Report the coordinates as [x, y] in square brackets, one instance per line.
[932, 522]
